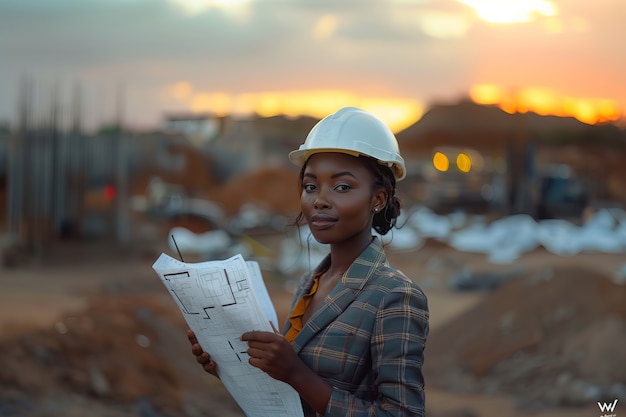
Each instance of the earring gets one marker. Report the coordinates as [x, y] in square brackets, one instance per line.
[375, 209]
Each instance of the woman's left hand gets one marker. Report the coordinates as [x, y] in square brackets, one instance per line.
[271, 353]
[274, 355]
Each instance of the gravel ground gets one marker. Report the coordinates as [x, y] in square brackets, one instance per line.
[91, 331]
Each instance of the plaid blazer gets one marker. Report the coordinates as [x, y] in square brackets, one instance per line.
[367, 339]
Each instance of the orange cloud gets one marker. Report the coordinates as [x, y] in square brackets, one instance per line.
[547, 101]
[398, 113]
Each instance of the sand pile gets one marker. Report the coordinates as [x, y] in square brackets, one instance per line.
[556, 337]
[123, 356]
[272, 188]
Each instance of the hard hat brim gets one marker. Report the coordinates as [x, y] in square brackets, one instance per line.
[300, 156]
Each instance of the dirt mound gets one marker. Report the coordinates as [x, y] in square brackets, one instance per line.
[540, 337]
[126, 353]
[272, 188]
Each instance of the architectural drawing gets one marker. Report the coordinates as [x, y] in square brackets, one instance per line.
[221, 300]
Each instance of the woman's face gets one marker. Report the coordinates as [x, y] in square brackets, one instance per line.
[338, 197]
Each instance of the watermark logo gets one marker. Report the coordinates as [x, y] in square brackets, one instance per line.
[607, 408]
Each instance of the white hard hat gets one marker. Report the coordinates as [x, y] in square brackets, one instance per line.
[355, 132]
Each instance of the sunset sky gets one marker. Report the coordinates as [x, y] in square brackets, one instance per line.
[392, 57]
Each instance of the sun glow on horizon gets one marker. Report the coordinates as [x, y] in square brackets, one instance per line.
[546, 101]
[397, 113]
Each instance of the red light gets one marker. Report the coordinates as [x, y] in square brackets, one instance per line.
[109, 192]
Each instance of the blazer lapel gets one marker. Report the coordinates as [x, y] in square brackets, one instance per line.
[342, 295]
[333, 305]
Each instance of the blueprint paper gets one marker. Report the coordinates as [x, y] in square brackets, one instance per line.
[263, 297]
[221, 300]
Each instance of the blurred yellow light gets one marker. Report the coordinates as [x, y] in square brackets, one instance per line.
[586, 111]
[463, 162]
[441, 162]
[608, 110]
[486, 94]
[540, 100]
[397, 113]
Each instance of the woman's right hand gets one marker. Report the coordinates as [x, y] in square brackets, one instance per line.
[202, 357]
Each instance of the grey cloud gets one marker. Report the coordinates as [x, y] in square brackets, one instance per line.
[108, 31]
[72, 33]
[150, 43]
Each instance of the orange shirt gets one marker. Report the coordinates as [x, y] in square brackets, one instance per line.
[298, 311]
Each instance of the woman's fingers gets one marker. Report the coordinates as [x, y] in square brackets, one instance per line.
[196, 349]
[192, 337]
[203, 358]
[259, 336]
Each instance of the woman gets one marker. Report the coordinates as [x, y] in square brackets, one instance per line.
[353, 344]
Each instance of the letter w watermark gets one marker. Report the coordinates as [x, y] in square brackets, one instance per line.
[607, 407]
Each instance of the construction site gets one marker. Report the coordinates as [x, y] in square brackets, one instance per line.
[523, 261]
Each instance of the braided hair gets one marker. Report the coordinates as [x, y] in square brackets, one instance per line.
[385, 219]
